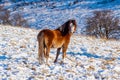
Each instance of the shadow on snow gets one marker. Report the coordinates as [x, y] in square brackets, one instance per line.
[90, 55]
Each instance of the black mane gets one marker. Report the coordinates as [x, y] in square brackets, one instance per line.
[64, 29]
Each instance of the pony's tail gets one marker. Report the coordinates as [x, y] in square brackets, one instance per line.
[40, 38]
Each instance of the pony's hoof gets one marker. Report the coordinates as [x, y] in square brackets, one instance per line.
[40, 62]
[48, 64]
[62, 62]
[55, 61]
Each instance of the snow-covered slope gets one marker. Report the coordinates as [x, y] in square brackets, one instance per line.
[87, 58]
[53, 13]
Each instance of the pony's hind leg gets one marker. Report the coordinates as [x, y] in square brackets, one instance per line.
[47, 55]
[45, 52]
[39, 56]
[58, 52]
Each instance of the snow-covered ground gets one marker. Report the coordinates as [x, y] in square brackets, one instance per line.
[88, 58]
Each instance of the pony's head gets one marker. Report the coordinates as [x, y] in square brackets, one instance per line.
[68, 27]
[72, 26]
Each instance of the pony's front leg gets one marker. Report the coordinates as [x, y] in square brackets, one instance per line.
[58, 52]
[64, 54]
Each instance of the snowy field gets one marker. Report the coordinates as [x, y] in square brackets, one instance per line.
[88, 58]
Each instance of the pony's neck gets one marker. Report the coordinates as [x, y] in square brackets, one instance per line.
[68, 35]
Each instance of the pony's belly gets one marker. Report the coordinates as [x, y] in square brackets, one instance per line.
[57, 45]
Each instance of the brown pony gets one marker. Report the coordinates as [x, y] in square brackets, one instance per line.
[58, 38]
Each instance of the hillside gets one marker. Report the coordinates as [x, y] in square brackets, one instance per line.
[87, 58]
[52, 13]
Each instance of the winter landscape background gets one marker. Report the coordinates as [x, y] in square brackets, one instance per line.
[88, 58]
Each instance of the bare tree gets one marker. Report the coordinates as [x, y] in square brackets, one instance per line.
[102, 24]
[4, 15]
[16, 19]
